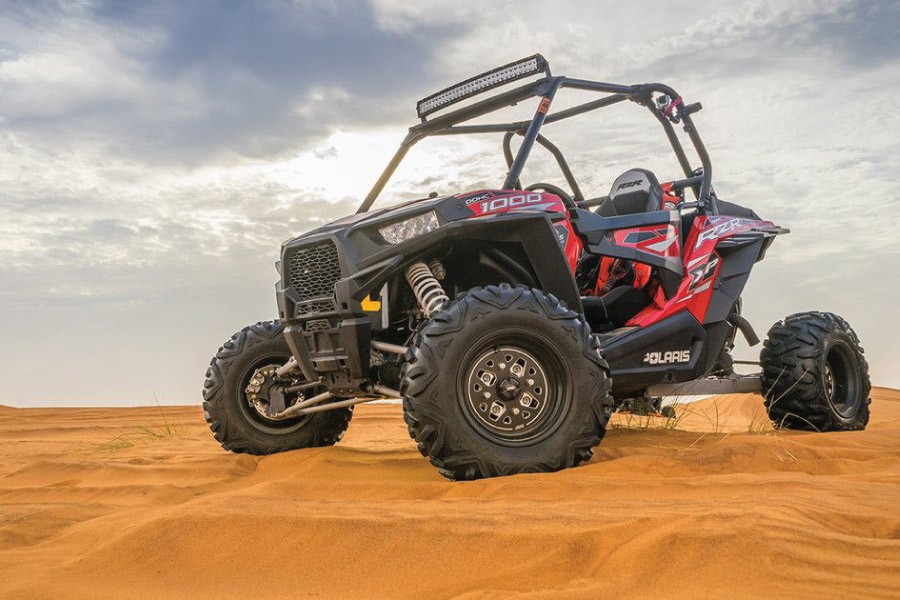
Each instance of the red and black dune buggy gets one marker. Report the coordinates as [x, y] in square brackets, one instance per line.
[513, 321]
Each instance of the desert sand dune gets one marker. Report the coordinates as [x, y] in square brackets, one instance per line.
[142, 503]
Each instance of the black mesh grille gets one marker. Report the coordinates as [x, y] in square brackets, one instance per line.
[318, 325]
[314, 307]
[313, 270]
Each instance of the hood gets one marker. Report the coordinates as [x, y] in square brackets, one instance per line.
[388, 214]
[467, 205]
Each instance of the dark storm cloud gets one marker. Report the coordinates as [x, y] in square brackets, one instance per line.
[263, 77]
[863, 34]
[857, 35]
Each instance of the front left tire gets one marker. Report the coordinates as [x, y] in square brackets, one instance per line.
[505, 380]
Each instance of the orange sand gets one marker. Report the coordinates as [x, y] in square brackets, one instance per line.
[93, 507]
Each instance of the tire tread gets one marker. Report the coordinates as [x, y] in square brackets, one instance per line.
[790, 361]
[421, 366]
[233, 435]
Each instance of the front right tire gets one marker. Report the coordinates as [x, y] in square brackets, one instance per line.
[505, 380]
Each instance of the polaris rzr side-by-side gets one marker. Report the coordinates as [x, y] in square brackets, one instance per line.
[513, 321]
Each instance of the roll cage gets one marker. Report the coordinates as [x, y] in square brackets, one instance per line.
[662, 101]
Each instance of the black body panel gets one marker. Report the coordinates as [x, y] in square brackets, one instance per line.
[676, 350]
[326, 275]
[738, 256]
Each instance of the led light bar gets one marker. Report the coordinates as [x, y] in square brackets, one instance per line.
[482, 83]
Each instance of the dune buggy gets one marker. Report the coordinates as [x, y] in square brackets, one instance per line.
[513, 321]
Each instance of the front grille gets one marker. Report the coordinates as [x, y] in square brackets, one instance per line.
[318, 325]
[313, 307]
[313, 270]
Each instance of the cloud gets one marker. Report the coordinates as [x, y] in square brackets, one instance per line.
[156, 154]
[178, 83]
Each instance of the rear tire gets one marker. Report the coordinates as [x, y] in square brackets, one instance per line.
[235, 423]
[815, 377]
[505, 380]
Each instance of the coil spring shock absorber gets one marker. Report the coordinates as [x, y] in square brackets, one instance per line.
[425, 286]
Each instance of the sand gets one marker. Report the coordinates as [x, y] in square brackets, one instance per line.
[142, 503]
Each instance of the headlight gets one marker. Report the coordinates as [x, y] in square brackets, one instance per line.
[410, 228]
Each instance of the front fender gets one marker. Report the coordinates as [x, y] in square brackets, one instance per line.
[532, 230]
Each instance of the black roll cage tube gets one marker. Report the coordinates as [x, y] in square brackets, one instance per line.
[546, 88]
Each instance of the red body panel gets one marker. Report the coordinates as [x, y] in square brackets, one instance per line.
[489, 202]
[700, 261]
[662, 240]
[701, 267]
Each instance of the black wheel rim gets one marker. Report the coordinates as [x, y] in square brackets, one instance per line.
[250, 409]
[514, 390]
[841, 380]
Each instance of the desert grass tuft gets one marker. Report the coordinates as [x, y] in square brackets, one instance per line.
[780, 425]
[654, 421]
[759, 421]
[142, 434]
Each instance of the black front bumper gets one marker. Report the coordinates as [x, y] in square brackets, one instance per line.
[329, 334]
[337, 352]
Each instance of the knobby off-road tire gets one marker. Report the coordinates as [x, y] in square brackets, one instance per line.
[470, 348]
[815, 377]
[235, 423]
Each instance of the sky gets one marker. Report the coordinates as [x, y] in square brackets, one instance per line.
[153, 156]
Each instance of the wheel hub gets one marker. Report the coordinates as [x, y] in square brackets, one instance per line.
[264, 393]
[829, 381]
[509, 388]
[841, 382]
[508, 391]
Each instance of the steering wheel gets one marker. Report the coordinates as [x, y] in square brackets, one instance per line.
[567, 200]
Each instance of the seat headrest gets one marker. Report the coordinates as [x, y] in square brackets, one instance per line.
[634, 191]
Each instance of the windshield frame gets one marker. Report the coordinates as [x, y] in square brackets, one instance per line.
[671, 112]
